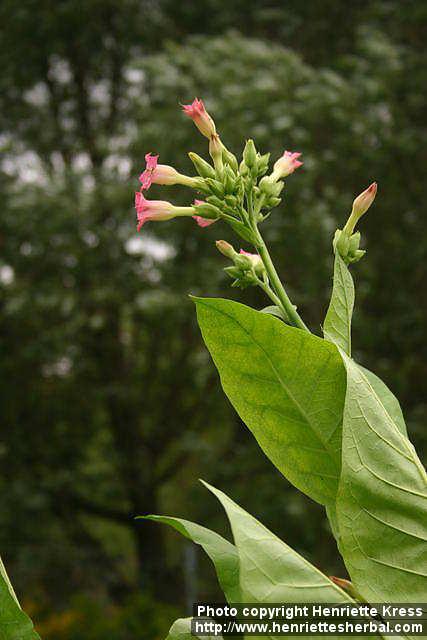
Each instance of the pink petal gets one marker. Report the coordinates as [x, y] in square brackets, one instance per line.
[204, 222]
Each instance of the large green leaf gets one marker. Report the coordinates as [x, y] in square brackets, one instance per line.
[337, 329]
[14, 623]
[382, 499]
[270, 570]
[222, 553]
[337, 325]
[181, 630]
[287, 385]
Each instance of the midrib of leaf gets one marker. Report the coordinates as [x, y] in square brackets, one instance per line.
[281, 382]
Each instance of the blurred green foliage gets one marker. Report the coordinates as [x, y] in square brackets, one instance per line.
[111, 406]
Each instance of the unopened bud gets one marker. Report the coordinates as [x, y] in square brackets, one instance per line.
[216, 187]
[197, 112]
[263, 163]
[360, 206]
[230, 159]
[206, 210]
[226, 249]
[215, 152]
[229, 180]
[250, 154]
[252, 260]
[203, 168]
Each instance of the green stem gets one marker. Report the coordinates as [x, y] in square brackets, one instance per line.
[288, 307]
[269, 292]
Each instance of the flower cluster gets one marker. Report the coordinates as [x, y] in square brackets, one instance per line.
[242, 194]
[224, 184]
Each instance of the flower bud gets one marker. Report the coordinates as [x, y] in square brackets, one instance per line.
[207, 210]
[229, 180]
[197, 112]
[250, 154]
[360, 206]
[202, 167]
[254, 261]
[230, 159]
[226, 249]
[263, 163]
[216, 187]
[215, 152]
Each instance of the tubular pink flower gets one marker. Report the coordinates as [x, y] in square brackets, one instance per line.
[151, 209]
[203, 222]
[157, 210]
[161, 174]
[197, 112]
[287, 164]
[146, 177]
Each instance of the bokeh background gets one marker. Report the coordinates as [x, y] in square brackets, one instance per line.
[111, 406]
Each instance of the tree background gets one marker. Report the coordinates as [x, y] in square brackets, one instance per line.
[111, 405]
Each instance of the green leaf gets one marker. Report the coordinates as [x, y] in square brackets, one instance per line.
[181, 630]
[14, 623]
[388, 400]
[287, 385]
[275, 311]
[337, 329]
[270, 570]
[337, 325]
[382, 499]
[222, 553]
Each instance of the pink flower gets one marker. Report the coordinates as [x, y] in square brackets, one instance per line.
[151, 209]
[161, 174]
[287, 164]
[203, 222]
[197, 112]
[364, 200]
[146, 177]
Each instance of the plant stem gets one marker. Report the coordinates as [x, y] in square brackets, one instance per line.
[275, 281]
[288, 307]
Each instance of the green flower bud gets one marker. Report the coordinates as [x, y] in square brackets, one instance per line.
[207, 210]
[217, 202]
[230, 159]
[231, 200]
[263, 161]
[229, 180]
[216, 187]
[202, 167]
[273, 202]
[250, 154]
[243, 170]
[226, 249]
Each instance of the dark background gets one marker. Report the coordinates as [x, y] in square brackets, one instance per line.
[111, 405]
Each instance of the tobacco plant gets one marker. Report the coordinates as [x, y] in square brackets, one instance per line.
[332, 427]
